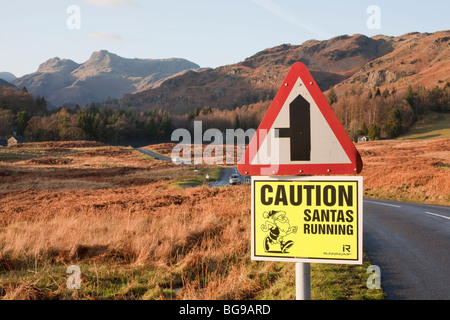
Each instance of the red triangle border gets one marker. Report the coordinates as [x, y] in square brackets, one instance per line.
[299, 70]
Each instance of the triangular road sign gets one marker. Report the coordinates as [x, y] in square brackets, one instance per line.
[300, 134]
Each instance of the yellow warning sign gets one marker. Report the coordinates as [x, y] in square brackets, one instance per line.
[307, 219]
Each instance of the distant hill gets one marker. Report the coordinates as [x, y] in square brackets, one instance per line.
[105, 75]
[7, 76]
[344, 61]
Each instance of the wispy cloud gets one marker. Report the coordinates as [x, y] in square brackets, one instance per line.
[112, 3]
[272, 7]
[100, 35]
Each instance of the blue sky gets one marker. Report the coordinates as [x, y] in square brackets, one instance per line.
[210, 33]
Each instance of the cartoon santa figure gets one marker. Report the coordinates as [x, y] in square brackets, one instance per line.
[278, 226]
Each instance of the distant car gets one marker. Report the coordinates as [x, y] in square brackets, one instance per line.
[235, 179]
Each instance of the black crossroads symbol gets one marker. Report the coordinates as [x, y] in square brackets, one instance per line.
[299, 131]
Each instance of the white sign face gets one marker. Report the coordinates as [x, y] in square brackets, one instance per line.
[324, 146]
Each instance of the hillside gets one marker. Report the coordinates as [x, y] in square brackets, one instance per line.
[259, 76]
[105, 75]
[7, 76]
[14, 100]
[5, 83]
[345, 62]
[416, 59]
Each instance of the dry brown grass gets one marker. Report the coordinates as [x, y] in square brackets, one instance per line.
[411, 170]
[24, 291]
[134, 226]
[124, 215]
[129, 223]
[115, 214]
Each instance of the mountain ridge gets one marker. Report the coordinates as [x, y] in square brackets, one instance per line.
[104, 75]
[258, 77]
[7, 76]
[343, 62]
[417, 59]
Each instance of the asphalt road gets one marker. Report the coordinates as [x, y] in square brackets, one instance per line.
[411, 245]
[225, 176]
[155, 155]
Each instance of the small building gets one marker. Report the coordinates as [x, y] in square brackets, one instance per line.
[363, 138]
[15, 140]
[3, 142]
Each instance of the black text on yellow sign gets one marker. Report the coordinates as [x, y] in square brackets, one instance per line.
[307, 219]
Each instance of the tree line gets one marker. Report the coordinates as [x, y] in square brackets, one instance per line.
[115, 126]
[376, 113]
[105, 125]
[389, 112]
[15, 105]
[28, 116]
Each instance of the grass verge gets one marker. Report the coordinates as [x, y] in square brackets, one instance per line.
[429, 126]
[103, 280]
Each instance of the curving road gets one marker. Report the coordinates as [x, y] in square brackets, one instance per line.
[154, 154]
[225, 176]
[411, 245]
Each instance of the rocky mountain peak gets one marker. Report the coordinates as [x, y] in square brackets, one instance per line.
[102, 57]
[104, 75]
[57, 65]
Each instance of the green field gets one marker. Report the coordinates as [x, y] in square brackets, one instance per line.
[429, 126]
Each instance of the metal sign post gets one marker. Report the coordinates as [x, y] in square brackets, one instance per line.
[303, 281]
[307, 220]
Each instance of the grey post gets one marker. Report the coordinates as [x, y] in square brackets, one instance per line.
[303, 281]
